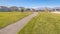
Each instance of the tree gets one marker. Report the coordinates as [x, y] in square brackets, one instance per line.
[21, 9]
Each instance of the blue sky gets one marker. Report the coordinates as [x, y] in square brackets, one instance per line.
[31, 3]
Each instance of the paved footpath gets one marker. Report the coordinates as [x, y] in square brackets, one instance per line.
[56, 12]
[16, 27]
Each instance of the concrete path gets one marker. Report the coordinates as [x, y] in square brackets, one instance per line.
[56, 12]
[16, 27]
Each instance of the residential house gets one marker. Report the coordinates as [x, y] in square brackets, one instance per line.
[13, 8]
[27, 9]
[4, 8]
[56, 9]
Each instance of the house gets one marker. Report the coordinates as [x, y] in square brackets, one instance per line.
[56, 9]
[30, 9]
[43, 9]
[27, 9]
[13, 8]
[34, 10]
[3, 8]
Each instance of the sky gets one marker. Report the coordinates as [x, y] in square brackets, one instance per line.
[30, 3]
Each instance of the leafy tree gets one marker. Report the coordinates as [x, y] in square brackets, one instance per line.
[22, 9]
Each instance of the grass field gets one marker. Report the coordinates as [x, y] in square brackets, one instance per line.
[7, 18]
[44, 23]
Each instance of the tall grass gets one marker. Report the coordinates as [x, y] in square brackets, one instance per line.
[43, 23]
[7, 18]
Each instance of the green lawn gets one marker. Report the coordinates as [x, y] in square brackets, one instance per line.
[7, 18]
[43, 23]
